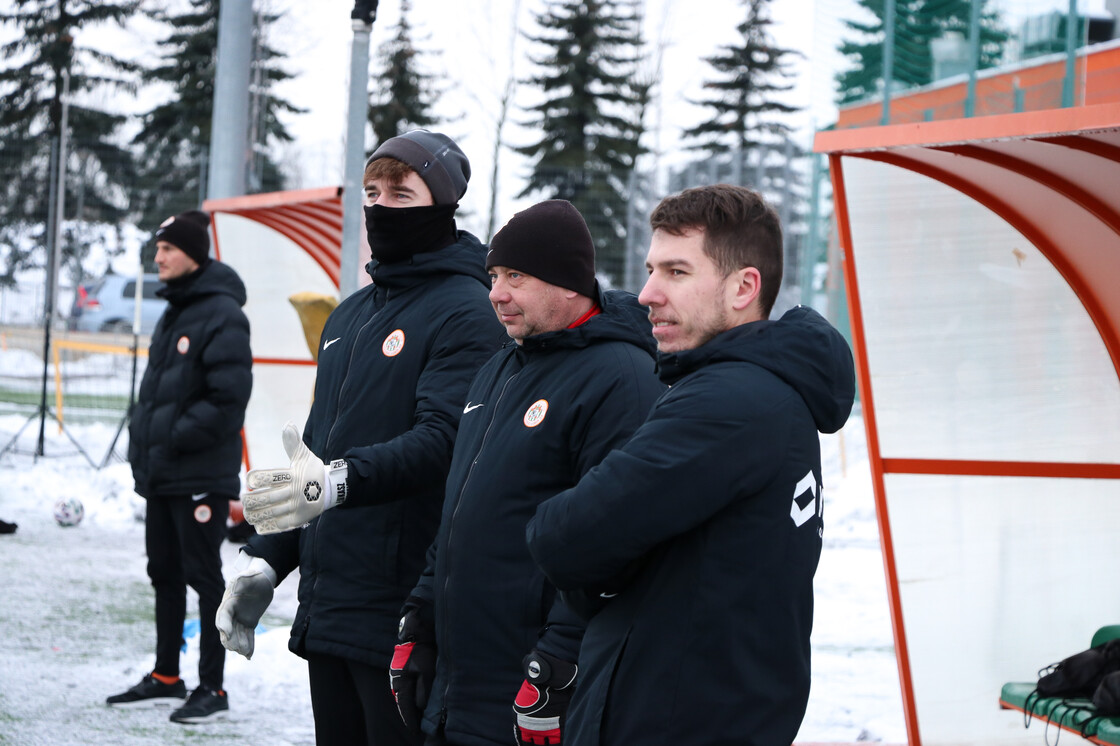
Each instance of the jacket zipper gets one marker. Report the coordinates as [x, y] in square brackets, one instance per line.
[326, 444]
[349, 365]
[451, 527]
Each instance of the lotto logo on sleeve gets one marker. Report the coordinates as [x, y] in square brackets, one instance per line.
[393, 344]
[183, 345]
[535, 414]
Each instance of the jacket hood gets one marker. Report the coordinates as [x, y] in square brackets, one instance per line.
[467, 256]
[215, 278]
[621, 318]
[801, 348]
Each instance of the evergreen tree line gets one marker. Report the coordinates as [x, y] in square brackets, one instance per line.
[119, 169]
[592, 77]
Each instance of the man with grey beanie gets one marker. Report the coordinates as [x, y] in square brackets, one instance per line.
[394, 364]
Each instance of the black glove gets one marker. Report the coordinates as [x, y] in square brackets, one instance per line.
[541, 707]
[414, 665]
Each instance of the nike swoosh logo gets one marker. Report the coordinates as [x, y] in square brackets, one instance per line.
[469, 408]
[199, 496]
[331, 342]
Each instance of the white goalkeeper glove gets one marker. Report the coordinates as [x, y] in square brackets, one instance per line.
[244, 602]
[283, 499]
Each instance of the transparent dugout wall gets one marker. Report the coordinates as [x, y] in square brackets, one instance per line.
[979, 350]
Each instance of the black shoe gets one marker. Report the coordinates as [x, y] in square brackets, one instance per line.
[7, 528]
[150, 692]
[204, 705]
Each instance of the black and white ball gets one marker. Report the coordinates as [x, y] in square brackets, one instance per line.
[68, 511]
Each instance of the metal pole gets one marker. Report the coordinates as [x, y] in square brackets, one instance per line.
[1071, 55]
[361, 20]
[54, 257]
[229, 130]
[136, 315]
[810, 253]
[629, 258]
[973, 56]
[888, 60]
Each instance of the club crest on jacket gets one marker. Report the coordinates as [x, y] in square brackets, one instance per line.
[393, 344]
[535, 414]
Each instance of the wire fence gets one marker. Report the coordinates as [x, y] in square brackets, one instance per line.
[88, 380]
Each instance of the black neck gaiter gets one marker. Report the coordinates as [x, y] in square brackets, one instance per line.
[397, 233]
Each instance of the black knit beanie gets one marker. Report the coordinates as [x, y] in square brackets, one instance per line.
[189, 232]
[549, 241]
[438, 160]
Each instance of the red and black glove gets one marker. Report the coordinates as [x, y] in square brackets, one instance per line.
[413, 667]
[541, 707]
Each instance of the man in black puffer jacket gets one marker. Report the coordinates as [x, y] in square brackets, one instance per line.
[539, 415]
[185, 451]
[704, 530]
[395, 361]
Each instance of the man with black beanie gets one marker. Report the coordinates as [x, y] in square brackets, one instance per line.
[483, 631]
[185, 451]
[394, 364]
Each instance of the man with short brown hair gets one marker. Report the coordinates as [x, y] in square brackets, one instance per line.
[702, 533]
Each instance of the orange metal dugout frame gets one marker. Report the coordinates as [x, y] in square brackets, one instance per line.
[310, 218]
[1044, 173]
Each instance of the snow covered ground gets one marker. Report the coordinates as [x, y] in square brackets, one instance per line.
[76, 614]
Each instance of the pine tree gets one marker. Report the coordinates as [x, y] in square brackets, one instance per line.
[742, 98]
[31, 105]
[591, 116]
[747, 138]
[174, 138]
[917, 24]
[403, 94]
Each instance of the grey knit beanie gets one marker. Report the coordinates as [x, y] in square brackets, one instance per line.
[435, 157]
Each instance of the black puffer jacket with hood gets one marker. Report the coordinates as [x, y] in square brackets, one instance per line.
[538, 417]
[395, 361]
[185, 429]
[708, 525]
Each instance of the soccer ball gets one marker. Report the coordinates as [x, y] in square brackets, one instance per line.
[68, 511]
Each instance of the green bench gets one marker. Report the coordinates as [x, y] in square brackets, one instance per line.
[1074, 715]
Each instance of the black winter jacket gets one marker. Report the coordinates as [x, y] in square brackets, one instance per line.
[718, 498]
[395, 361]
[185, 429]
[538, 417]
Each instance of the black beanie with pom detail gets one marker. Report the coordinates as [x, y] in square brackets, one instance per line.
[189, 232]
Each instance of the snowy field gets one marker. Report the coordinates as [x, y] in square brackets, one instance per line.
[76, 614]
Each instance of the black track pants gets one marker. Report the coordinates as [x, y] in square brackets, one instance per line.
[184, 538]
[353, 704]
